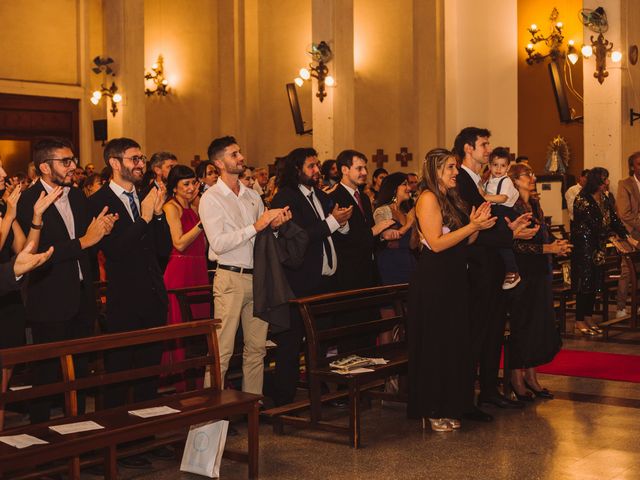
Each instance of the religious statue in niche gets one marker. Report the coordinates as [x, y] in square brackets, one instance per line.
[557, 156]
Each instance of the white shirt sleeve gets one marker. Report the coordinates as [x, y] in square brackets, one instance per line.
[212, 218]
[509, 189]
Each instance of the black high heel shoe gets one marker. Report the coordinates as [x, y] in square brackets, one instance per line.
[544, 393]
[526, 397]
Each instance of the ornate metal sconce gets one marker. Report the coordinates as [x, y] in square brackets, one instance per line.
[103, 65]
[111, 93]
[553, 41]
[160, 85]
[321, 55]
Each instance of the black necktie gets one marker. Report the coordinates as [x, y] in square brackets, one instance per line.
[325, 240]
[134, 207]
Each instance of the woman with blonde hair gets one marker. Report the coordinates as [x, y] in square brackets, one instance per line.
[439, 332]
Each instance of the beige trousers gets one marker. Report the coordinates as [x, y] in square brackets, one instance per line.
[233, 302]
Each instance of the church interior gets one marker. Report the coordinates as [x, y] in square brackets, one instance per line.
[555, 81]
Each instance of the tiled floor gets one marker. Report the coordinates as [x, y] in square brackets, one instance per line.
[582, 434]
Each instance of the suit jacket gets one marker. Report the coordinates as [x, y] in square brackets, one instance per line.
[8, 282]
[271, 288]
[307, 278]
[53, 291]
[356, 268]
[628, 205]
[135, 287]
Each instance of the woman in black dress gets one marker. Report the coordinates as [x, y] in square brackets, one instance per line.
[535, 338]
[595, 221]
[440, 365]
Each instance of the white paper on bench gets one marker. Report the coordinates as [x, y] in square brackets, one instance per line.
[22, 441]
[354, 371]
[76, 427]
[20, 387]
[153, 411]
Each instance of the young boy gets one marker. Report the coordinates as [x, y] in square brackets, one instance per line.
[500, 190]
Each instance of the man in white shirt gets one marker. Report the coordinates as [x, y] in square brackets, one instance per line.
[232, 215]
[572, 192]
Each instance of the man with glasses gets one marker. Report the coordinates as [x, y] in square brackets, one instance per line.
[136, 296]
[60, 299]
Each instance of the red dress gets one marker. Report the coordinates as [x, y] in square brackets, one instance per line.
[185, 269]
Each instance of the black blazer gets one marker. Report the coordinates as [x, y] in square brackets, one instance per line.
[356, 268]
[53, 290]
[306, 279]
[134, 279]
[8, 282]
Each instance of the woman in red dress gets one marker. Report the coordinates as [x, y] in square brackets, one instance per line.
[187, 265]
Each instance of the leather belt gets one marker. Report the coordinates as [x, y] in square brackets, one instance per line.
[231, 268]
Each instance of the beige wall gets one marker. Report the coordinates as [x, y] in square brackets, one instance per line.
[185, 33]
[385, 106]
[630, 16]
[37, 49]
[284, 32]
[481, 68]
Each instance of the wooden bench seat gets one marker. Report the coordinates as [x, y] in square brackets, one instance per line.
[346, 309]
[195, 407]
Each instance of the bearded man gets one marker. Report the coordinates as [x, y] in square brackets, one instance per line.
[60, 299]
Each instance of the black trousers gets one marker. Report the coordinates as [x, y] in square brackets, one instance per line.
[133, 357]
[49, 371]
[488, 314]
[287, 355]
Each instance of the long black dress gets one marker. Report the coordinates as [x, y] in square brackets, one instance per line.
[439, 337]
[535, 338]
[12, 311]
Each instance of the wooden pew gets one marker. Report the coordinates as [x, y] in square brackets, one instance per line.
[195, 407]
[314, 310]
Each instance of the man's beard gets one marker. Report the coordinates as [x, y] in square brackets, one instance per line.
[127, 175]
[59, 180]
[308, 181]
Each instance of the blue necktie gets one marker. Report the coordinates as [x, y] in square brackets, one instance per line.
[134, 207]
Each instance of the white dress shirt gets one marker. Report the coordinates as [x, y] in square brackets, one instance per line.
[570, 196]
[228, 223]
[352, 192]
[120, 193]
[333, 225]
[507, 188]
[474, 176]
[64, 209]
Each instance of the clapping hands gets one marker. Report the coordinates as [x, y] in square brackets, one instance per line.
[480, 218]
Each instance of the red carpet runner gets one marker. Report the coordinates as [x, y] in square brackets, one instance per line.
[606, 366]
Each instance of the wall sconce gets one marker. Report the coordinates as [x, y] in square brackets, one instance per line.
[111, 93]
[553, 41]
[596, 21]
[321, 55]
[159, 84]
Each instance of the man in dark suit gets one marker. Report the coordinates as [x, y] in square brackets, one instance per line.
[60, 300]
[136, 296]
[313, 210]
[356, 268]
[486, 271]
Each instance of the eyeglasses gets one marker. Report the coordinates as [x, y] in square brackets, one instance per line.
[528, 174]
[66, 162]
[137, 160]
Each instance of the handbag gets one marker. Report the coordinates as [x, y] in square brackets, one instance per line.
[203, 449]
